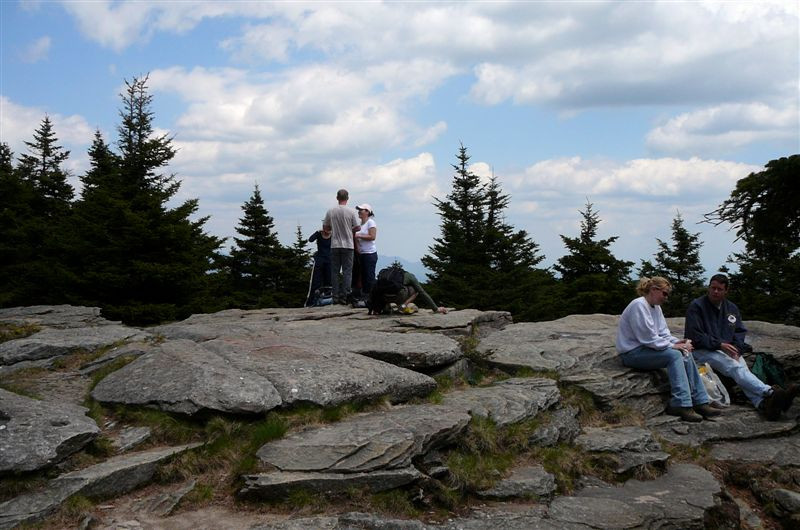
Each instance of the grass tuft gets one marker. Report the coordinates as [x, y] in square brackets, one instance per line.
[396, 502]
[582, 400]
[526, 371]
[567, 463]
[9, 331]
[14, 485]
[113, 366]
[201, 495]
[306, 502]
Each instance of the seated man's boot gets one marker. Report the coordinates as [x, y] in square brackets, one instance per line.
[791, 393]
[774, 403]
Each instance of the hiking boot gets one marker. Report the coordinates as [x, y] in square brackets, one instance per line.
[685, 414]
[707, 411]
[774, 404]
[716, 405]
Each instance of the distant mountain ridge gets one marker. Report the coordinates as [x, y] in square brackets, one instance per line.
[414, 267]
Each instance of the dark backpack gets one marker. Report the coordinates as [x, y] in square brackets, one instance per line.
[323, 296]
[390, 280]
[769, 370]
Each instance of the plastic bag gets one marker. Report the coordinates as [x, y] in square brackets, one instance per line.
[714, 388]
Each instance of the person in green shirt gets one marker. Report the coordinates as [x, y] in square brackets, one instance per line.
[412, 290]
[386, 291]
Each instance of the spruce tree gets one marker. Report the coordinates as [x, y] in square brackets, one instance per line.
[297, 272]
[43, 276]
[507, 249]
[680, 264]
[480, 261]
[152, 260]
[458, 258]
[257, 259]
[102, 216]
[42, 166]
[16, 217]
[594, 280]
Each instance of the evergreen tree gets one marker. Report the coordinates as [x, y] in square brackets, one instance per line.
[42, 166]
[480, 261]
[594, 280]
[257, 259]
[43, 277]
[458, 259]
[680, 264]
[297, 273]
[102, 216]
[764, 208]
[151, 260]
[458, 249]
[16, 200]
[508, 250]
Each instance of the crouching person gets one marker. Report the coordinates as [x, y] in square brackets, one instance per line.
[401, 287]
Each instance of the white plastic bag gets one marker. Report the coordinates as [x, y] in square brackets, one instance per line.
[714, 388]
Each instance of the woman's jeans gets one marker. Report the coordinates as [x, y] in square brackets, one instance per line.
[686, 387]
[368, 264]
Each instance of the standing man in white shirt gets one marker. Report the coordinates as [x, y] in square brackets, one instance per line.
[343, 221]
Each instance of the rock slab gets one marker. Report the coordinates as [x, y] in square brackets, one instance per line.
[524, 482]
[113, 477]
[507, 402]
[36, 434]
[367, 442]
[630, 446]
[282, 484]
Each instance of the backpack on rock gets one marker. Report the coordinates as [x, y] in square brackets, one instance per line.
[390, 282]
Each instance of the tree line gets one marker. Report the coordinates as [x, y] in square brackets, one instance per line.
[480, 261]
[120, 246]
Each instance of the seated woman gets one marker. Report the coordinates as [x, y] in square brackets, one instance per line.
[644, 342]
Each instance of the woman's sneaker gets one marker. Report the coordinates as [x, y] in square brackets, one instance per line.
[707, 411]
[685, 414]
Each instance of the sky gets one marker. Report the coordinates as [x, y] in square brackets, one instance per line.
[644, 109]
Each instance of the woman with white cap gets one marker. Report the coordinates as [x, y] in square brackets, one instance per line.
[367, 251]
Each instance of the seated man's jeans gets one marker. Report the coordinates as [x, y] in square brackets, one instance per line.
[686, 387]
[720, 362]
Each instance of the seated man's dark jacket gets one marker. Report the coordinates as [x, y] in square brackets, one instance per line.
[709, 327]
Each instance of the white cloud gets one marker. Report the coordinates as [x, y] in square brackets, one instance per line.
[537, 52]
[651, 53]
[20, 122]
[344, 104]
[37, 50]
[725, 128]
[647, 178]
[636, 200]
[296, 119]
[400, 174]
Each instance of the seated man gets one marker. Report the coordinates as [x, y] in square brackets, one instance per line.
[714, 325]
